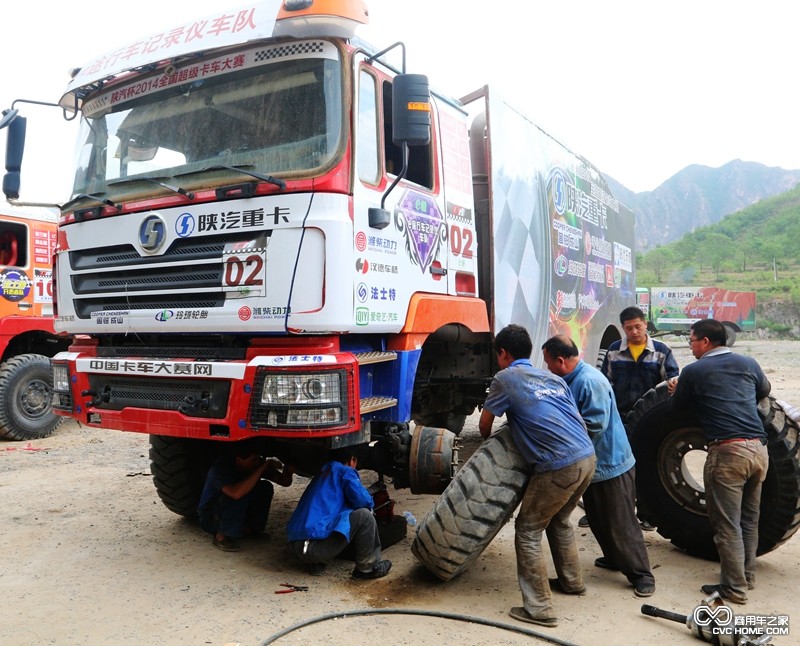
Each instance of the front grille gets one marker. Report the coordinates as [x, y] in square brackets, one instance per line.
[199, 276]
[182, 249]
[193, 397]
[184, 277]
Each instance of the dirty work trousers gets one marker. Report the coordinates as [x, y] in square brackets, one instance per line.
[546, 507]
[610, 507]
[363, 535]
[733, 475]
[235, 518]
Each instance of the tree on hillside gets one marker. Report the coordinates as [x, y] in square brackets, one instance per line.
[660, 261]
[719, 248]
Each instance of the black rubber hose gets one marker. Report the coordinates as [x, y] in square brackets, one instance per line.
[652, 611]
[423, 613]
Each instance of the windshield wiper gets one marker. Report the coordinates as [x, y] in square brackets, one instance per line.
[154, 180]
[96, 199]
[170, 187]
[243, 169]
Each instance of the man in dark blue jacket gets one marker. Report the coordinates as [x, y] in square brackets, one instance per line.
[634, 365]
[334, 510]
[724, 389]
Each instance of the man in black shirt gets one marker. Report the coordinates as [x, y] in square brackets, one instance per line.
[724, 388]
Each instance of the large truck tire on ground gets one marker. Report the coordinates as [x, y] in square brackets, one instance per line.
[477, 503]
[670, 448]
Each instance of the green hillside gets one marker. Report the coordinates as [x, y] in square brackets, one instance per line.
[755, 249]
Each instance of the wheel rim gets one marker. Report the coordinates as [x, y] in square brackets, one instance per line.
[34, 400]
[678, 458]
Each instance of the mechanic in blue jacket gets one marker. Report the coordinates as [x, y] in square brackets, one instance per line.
[610, 499]
[335, 510]
[633, 366]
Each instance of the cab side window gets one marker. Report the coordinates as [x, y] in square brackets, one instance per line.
[368, 160]
[13, 245]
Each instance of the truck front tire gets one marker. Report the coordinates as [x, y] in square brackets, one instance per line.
[477, 503]
[179, 467]
[25, 398]
[662, 439]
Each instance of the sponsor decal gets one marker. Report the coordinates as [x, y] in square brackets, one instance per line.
[457, 213]
[293, 360]
[164, 315]
[569, 237]
[43, 286]
[245, 313]
[382, 245]
[270, 312]
[245, 219]
[559, 188]
[162, 368]
[382, 294]
[419, 219]
[152, 233]
[623, 257]
[362, 265]
[362, 292]
[565, 301]
[361, 241]
[184, 225]
[14, 285]
[560, 265]
[362, 316]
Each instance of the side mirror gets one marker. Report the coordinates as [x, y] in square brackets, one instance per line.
[411, 110]
[15, 147]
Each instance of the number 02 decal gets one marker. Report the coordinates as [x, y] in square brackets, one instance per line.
[244, 273]
[461, 241]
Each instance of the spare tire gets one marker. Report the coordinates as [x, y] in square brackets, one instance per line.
[662, 438]
[475, 505]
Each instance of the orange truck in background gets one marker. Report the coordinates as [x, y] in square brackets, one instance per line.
[27, 337]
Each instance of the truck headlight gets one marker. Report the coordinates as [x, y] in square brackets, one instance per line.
[298, 388]
[60, 375]
[300, 399]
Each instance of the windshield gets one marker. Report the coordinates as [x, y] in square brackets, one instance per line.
[270, 115]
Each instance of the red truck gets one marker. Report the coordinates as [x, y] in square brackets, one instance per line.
[27, 336]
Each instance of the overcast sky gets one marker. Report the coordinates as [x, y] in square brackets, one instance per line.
[642, 88]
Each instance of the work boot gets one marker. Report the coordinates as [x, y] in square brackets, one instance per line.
[380, 570]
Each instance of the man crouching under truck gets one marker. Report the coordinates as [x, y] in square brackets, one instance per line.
[551, 436]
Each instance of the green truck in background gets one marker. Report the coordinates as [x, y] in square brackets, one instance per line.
[674, 309]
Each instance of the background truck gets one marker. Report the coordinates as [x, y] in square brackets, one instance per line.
[276, 233]
[674, 309]
[27, 337]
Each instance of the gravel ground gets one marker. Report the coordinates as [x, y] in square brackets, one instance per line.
[92, 557]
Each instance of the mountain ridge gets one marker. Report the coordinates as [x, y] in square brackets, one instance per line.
[698, 196]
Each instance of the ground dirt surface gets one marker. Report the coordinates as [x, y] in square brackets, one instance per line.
[91, 556]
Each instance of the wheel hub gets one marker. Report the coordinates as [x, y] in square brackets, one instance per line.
[680, 459]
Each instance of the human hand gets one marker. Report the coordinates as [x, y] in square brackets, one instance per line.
[672, 384]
